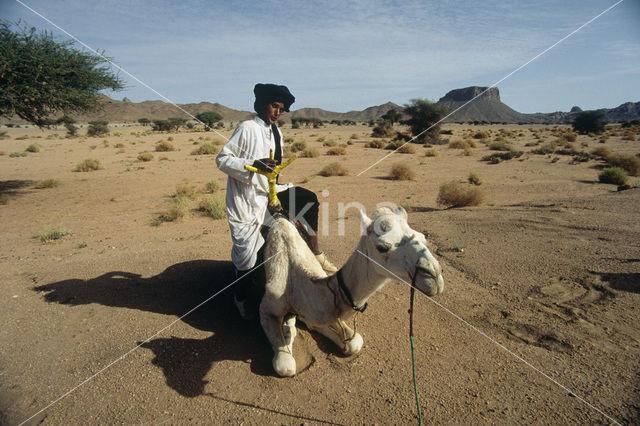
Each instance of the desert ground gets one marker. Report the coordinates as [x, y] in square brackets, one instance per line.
[538, 322]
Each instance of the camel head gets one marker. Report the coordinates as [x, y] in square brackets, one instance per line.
[392, 243]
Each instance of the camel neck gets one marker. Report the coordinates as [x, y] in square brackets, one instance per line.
[360, 276]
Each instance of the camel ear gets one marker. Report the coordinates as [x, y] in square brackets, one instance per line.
[364, 221]
[402, 212]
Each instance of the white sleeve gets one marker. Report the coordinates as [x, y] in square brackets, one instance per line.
[232, 158]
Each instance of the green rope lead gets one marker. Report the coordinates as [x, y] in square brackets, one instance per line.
[415, 382]
[413, 352]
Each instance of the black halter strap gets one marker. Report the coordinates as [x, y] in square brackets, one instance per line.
[277, 155]
[347, 293]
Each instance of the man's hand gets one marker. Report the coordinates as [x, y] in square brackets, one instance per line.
[265, 164]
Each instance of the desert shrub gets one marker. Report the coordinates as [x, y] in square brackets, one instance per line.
[17, 154]
[613, 175]
[629, 137]
[481, 135]
[205, 149]
[384, 129]
[627, 162]
[288, 139]
[400, 171]
[329, 143]
[47, 183]
[298, 146]
[455, 194]
[88, 165]
[34, 147]
[214, 207]
[570, 137]
[164, 146]
[338, 150]
[310, 153]
[179, 207]
[406, 148]
[334, 169]
[186, 190]
[145, 156]
[424, 119]
[52, 234]
[502, 156]
[119, 145]
[286, 151]
[98, 128]
[474, 178]
[468, 152]
[459, 144]
[601, 151]
[378, 143]
[431, 152]
[500, 146]
[212, 186]
[547, 148]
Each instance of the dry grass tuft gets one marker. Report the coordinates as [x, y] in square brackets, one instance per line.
[47, 183]
[378, 144]
[212, 186]
[627, 162]
[205, 149]
[431, 152]
[407, 148]
[400, 171]
[298, 146]
[145, 156]
[186, 190]
[613, 175]
[88, 165]
[601, 151]
[34, 147]
[474, 178]
[337, 150]
[164, 146]
[52, 234]
[334, 169]
[456, 194]
[214, 207]
[310, 153]
[459, 144]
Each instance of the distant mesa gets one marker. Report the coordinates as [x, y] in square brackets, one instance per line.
[479, 104]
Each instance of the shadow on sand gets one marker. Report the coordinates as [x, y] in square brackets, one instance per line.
[177, 290]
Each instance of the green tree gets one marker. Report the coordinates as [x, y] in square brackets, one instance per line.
[424, 117]
[589, 122]
[144, 121]
[98, 128]
[69, 124]
[40, 76]
[393, 116]
[208, 118]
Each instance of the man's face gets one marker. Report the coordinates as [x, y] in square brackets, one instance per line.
[273, 111]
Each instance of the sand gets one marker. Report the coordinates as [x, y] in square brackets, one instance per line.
[538, 322]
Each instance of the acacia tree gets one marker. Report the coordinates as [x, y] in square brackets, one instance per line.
[208, 118]
[393, 116]
[40, 77]
[589, 122]
[424, 117]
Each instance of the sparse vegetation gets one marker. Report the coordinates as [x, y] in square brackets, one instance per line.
[406, 148]
[298, 146]
[164, 146]
[47, 183]
[214, 207]
[34, 147]
[431, 152]
[601, 151]
[212, 186]
[627, 162]
[205, 149]
[186, 190]
[52, 234]
[474, 178]
[456, 194]
[98, 128]
[145, 156]
[310, 153]
[499, 157]
[613, 175]
[334, 169]
[88, 165]
[400, 171]
[338, 150]
[378, 143]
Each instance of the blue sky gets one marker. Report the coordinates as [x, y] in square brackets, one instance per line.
[343, 56]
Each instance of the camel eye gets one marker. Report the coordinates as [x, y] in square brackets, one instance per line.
[383, 248]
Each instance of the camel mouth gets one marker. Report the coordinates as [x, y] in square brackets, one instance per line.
[429, 284]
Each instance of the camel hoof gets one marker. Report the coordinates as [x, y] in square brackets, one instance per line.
[284, 364]
[354, 345]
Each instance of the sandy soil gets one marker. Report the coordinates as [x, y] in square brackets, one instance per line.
[538, 322]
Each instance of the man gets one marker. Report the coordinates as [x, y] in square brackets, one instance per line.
[247, 192]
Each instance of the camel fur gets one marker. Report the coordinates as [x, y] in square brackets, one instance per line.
[297, 286]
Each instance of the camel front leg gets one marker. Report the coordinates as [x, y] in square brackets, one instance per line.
[343, 336]
[281, 332]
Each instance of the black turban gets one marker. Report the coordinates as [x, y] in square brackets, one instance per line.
[266, 93]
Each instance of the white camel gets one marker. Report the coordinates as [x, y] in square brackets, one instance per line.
[296, 284]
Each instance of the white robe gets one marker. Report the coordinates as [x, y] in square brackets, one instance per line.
[247, 192]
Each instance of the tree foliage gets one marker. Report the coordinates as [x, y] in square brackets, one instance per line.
[208, 118]
[98, 128]
[424, 117]
[168, 125]
[40, 76]
[589, 122]
[393, 116]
